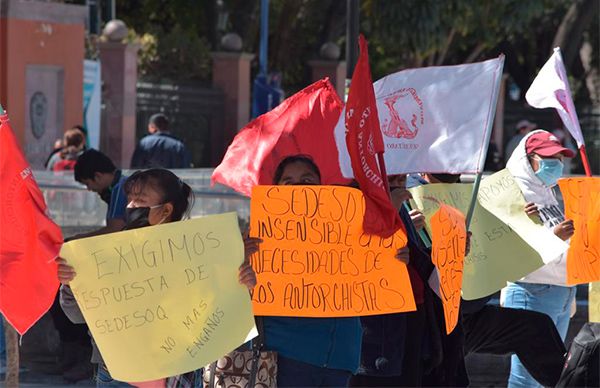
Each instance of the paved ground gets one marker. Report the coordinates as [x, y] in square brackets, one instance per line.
[39, 349]
[492, 371]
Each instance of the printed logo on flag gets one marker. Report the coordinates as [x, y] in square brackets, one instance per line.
[406, 117]
[371, 145]
[361, 124]
[432, 118]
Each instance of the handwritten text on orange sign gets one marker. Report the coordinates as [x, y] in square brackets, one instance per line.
[449, 238]
[582, 205]
[315, 260]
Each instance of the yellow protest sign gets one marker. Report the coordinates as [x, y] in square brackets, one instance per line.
[582, 205]
[449, 239]
[315, 260]
[500, 252]
[500, 195]
[163, 300]
[594, 302]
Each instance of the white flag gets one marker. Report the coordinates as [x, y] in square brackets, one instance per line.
[434, 119]
[550, 89]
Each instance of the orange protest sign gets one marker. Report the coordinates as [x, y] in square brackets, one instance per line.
[449, 237]
[315, 260]
[582, 205]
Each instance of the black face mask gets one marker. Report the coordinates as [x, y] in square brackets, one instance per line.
[136, 217]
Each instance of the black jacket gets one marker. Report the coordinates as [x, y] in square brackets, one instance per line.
[383, 347]
[161, 150]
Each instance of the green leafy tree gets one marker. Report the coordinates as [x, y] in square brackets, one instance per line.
[417, 33]
[178, 35]
[175, 36]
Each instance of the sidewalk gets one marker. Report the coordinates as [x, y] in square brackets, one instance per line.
[29, 378]
[484, 370]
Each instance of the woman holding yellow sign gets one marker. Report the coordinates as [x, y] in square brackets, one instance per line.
[155, 196]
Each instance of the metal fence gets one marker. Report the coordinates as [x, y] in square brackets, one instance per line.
[77, 210]
[196, 117]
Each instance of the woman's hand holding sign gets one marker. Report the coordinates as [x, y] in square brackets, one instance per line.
[66, 273]
[403, 254]
[531, 209]
[247, 276]
[418, 219]
[565, 230]
[251, 246]
[468, 246]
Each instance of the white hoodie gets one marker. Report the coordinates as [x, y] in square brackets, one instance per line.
[551, 214]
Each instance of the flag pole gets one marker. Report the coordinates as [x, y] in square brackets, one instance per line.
[473, 198]
[494, 103]
[585, 161]
[422, 233]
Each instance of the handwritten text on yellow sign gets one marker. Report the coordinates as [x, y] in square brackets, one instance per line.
[163, 300]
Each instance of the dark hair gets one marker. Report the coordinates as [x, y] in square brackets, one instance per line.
[81, 128]
[447, 178]
[73, 142]
[307, 160]
[90, 162]
[160, 121]
[171, 188]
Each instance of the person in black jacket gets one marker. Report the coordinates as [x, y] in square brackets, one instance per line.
[501, 331]
[398, 349]
[160, 149]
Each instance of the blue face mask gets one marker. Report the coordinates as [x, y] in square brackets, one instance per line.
[550, 171]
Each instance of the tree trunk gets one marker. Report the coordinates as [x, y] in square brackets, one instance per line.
[283, 35]
[570, 32]
[592, 75]
[444, 51]
[212, 20]
[244, 18]
[333, 25]
[475, 53]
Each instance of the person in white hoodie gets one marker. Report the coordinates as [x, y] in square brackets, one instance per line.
[536, 164]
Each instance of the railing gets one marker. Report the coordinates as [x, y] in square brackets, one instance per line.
[75, 209]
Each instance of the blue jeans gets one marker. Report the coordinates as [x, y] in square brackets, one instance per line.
[554, 301]
[104, 379]
[292, 373]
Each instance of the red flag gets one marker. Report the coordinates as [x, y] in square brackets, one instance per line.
[364, 141]
[29, 240]
[302, 124]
